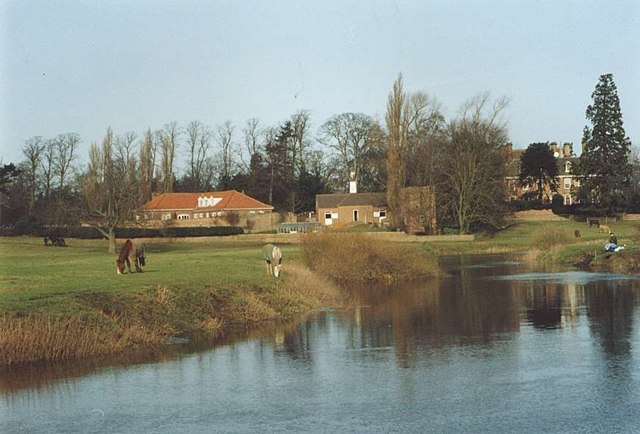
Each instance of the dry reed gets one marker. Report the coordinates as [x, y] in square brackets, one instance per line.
[357, 258]
[547, 238]
[112, 323]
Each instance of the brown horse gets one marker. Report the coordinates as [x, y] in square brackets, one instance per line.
[131, 251]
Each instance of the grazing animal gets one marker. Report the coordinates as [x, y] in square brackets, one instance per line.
[131, 251]
[594, 222]
[272, 256]
[604, 228]
[55, 241]
[577, 233]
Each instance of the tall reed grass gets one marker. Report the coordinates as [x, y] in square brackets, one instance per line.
[110, 323]
[358, 258]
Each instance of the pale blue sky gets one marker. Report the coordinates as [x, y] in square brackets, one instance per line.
[81, 66]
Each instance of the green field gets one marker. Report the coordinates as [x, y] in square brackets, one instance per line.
[34, 276]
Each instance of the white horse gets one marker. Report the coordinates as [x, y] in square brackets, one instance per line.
[272, 256]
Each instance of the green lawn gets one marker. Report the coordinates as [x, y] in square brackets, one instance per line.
[35, 275]
[527, 235]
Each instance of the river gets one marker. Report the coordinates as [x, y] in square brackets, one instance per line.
[494, 346]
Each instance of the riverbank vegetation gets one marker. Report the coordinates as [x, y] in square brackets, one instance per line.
[352, 257]
[555, 242]
[60, 303]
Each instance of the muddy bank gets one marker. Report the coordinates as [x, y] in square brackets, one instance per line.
[616, 262]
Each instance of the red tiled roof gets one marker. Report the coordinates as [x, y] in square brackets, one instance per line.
[229, 200]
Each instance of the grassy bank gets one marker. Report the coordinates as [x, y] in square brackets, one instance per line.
[58, 303]
[66, 302]
[551, 241]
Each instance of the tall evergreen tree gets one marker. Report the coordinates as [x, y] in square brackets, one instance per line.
[538, 167]
[604, 169]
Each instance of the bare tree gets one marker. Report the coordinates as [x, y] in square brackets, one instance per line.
[350, 135]
[270, 138]
[397, 130]
[300, 123]
[66, 146]
[473, 189]
[33, 151]
[426, 126]
[224, 137]
[168, 138]
[199, 146]
[48, 167]
[109, 186]
[148, 149]
[252, 133]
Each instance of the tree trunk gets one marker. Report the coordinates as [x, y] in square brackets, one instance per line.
[112, 240]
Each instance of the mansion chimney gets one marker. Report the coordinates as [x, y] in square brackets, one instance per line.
[567, 149]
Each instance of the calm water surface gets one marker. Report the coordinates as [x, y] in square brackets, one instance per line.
[494, 347]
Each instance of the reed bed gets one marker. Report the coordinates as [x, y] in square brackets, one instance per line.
[37, 337]
[111, 323]
[355, 257]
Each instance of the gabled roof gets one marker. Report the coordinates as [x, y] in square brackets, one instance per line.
[351, 199]
[229, 200]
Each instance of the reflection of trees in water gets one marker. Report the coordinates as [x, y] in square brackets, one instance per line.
[544, 306]
[551, 305]
[610, 308]
[433, 314]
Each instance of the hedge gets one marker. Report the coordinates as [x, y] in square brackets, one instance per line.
[84, 232]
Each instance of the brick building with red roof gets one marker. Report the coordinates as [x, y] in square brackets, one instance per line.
[202, 208]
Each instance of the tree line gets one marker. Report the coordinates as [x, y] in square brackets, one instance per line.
[285, 165]
[608, 171]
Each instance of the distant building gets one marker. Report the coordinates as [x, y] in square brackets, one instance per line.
[418, 209]
[565, 160]
[206, 209]
[343, 209]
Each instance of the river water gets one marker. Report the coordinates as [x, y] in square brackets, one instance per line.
[494, 346]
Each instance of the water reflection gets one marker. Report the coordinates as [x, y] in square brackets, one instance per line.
[495, 345]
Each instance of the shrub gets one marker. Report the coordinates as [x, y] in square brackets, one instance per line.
[233, 218]
[548, 237]
[360, 258]
[558, 206]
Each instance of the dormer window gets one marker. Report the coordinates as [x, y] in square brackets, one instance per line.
[208, 201]
[567, 167]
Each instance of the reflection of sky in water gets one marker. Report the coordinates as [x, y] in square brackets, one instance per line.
[577, 277]
[494, 264]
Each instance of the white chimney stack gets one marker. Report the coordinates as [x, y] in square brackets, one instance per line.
[353, 188]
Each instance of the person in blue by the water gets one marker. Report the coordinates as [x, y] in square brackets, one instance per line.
[612, 245]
